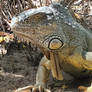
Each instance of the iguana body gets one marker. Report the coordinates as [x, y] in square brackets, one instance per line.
[66, 44]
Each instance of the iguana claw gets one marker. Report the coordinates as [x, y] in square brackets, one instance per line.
[32, 89]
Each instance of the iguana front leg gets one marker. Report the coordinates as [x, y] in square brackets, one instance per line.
[87, 56]
[41, 78]
[43, 73]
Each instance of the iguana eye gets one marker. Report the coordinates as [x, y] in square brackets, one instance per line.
[55, 44]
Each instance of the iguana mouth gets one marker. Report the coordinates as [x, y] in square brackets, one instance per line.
[23, 37]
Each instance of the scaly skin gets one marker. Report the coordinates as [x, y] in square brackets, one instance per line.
[66, 44]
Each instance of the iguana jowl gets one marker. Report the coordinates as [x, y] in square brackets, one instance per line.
[65, 43]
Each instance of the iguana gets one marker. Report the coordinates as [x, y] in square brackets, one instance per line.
[66, 45]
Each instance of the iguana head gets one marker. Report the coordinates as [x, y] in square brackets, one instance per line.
[40, 26]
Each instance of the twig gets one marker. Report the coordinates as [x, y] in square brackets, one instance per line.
[9, 14]
[10, 74]
[7, 22]
[40, 2]
[21, 7]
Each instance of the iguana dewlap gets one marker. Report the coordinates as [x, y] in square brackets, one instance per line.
[65, 43]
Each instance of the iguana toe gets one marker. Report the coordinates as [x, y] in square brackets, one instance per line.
[83, 88]
[40, 89]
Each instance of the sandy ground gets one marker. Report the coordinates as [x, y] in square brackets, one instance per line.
[18, 69]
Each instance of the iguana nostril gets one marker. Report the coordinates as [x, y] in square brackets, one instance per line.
[55, 44]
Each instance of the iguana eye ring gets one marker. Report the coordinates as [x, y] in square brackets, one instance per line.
[55, 43]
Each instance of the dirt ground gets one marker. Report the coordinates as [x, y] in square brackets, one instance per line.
[19, 66]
